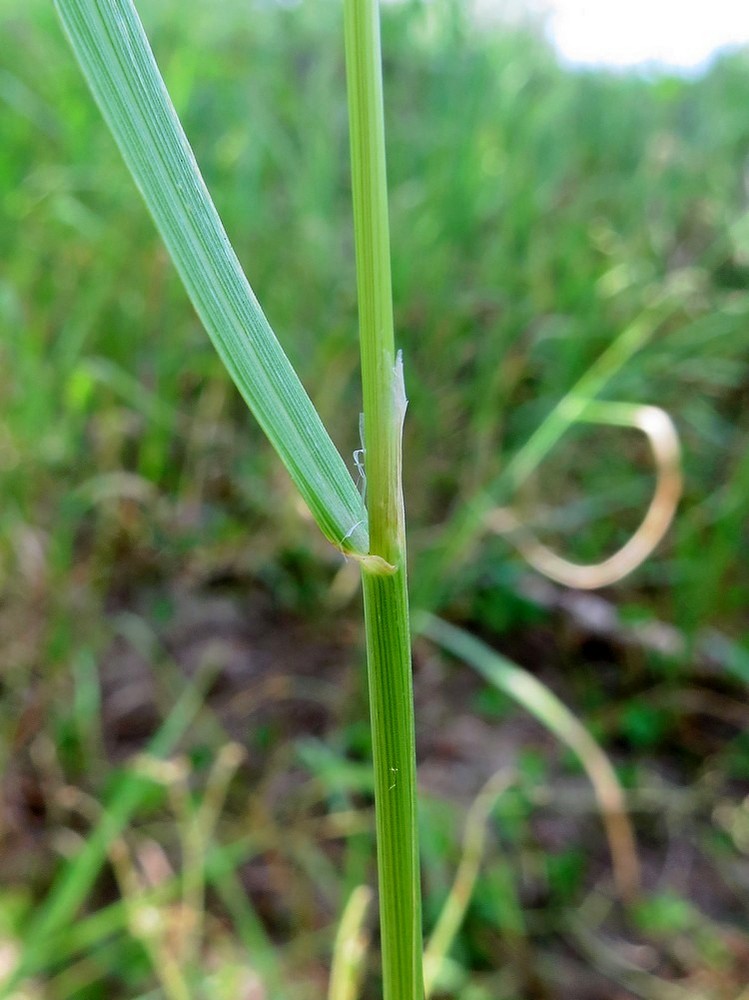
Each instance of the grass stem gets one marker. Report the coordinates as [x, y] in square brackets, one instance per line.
[385, 591]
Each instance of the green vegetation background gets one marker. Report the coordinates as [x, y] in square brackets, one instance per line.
[535, 213]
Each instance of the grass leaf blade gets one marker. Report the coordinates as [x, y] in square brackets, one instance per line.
[113, 51]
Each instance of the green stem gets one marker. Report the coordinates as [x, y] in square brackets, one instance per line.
[372, 235]
[384, 583]
[393, 742]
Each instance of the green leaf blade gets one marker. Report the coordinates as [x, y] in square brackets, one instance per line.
[113, 51]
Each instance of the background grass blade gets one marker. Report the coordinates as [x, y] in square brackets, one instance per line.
[454, 908]
[113, 51]
[75, 881]
[537, 699]
[350, 949]
[467, 526]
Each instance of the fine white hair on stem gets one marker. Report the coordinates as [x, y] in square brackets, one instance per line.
[360, 456]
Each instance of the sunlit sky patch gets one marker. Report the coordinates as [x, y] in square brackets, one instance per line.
[672, 34]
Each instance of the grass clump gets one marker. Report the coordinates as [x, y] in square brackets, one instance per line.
[126, 463]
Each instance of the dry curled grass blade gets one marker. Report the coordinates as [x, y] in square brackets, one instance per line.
[664, 441]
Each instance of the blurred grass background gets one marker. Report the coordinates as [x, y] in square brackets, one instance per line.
[148, 537]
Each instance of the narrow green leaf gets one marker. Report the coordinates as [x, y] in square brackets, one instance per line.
[551, 712]
[113, 51]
